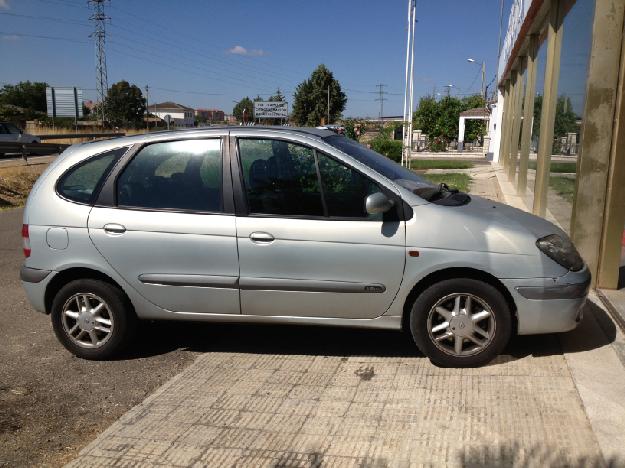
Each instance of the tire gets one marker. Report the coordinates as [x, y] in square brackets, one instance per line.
[84, 334]
[440, 312]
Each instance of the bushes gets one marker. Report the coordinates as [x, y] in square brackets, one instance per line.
[392, 149]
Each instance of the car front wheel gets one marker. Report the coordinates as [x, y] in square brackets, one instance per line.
[461, 322]
[92, 319]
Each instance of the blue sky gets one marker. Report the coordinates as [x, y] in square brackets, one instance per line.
[209, 53]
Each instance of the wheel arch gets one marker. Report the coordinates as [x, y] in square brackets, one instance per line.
[454, 273]
[63, 277]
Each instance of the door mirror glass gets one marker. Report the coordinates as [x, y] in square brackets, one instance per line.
[378, 203]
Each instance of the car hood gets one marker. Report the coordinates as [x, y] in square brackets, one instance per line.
[480, 225]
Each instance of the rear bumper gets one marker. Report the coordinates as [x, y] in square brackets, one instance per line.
[35, 282]
[549, 305]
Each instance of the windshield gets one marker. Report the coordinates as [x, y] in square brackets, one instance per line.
[381, 164]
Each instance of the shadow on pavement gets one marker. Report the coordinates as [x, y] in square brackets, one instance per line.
[155, 338]
[161, 337]
[514, 455]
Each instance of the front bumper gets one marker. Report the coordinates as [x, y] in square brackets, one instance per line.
[549, 305]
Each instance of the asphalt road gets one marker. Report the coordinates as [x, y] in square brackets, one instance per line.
[52, 404]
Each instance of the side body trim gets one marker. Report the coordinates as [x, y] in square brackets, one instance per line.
[203, 281]
[33, 275]
[280, 284]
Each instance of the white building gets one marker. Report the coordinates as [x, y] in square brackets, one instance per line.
[181, 116]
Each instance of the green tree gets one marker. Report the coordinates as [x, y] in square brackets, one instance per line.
[439, 119]
[244, 104]
[310, 106]
[28, 95]
[565, 120]
[124, 105]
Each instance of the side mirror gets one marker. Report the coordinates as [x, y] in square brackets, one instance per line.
[378, 203]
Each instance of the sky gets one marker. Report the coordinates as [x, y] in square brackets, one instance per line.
[207, 54]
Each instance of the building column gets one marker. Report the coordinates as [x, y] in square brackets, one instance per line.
[528, 113]
[599, 205]
[505, 126]
[461, 124]
[516, 117]
[548, 111]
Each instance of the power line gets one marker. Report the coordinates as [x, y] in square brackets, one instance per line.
[99, 19]
[37, 36]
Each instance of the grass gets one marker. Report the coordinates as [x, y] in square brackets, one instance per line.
[454, 179]
[16, 182]
[563, 186]
[558, 167]
[439, 164]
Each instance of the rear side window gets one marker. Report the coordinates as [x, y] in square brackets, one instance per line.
[177, 175]
[81, 182]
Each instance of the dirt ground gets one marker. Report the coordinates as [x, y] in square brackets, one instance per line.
[51, 403]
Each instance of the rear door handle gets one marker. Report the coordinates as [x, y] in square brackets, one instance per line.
[261, 237]
[114, 228]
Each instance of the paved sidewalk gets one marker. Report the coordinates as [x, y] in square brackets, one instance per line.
[239, 409]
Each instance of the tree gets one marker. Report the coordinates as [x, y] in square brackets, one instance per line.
[310, 106]
[439, 119]
[565, 120]
[29, 96]
[244, 104]
[124, 105]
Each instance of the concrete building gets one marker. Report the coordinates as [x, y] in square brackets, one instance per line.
[210, 115]
[562, 82]
[181, 116]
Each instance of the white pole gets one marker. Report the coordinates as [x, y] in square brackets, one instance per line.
[410, 110]
[405, 129]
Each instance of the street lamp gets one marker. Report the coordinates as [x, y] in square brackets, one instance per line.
[483, 64]
[448, 86]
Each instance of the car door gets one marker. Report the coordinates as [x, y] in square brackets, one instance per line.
[306, 245]
[5, 134]
[164, 222]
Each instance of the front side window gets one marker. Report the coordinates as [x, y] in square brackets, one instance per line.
[287, 179]
[280, 178]
[344, 189]
[176, 175]
[79, 184]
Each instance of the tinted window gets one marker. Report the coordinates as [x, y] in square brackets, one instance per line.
[80, 182]
[381, 164]
[179, 175]
[345, 189]
[280, 178]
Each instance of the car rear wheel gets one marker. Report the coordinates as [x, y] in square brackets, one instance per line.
[92, 319]
[461, 322]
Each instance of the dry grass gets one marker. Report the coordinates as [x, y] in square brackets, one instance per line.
[16, 182]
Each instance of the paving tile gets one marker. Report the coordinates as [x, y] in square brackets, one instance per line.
[244, 409]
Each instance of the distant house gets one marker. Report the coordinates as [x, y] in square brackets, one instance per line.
[181, 116]
[210, 115]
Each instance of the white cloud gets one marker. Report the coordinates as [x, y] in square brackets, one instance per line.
[240, 50]
[10, 37]
[4, 5]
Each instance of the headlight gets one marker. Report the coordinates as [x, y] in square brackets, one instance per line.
[561, 250]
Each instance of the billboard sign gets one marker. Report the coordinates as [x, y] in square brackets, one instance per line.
[271, 109]
[64, 102]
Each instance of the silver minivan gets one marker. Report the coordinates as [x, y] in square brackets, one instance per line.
[285, 225]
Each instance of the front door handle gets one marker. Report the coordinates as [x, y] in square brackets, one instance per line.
[114, 228]
[261, 237]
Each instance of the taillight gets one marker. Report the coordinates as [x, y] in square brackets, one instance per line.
[25, 240]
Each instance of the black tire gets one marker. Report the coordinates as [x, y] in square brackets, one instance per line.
[119, 311]
[499, 329]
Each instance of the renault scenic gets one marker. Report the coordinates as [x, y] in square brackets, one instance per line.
[285, 225]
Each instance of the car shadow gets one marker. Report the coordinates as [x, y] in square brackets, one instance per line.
[156, 338]
[161, 337]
